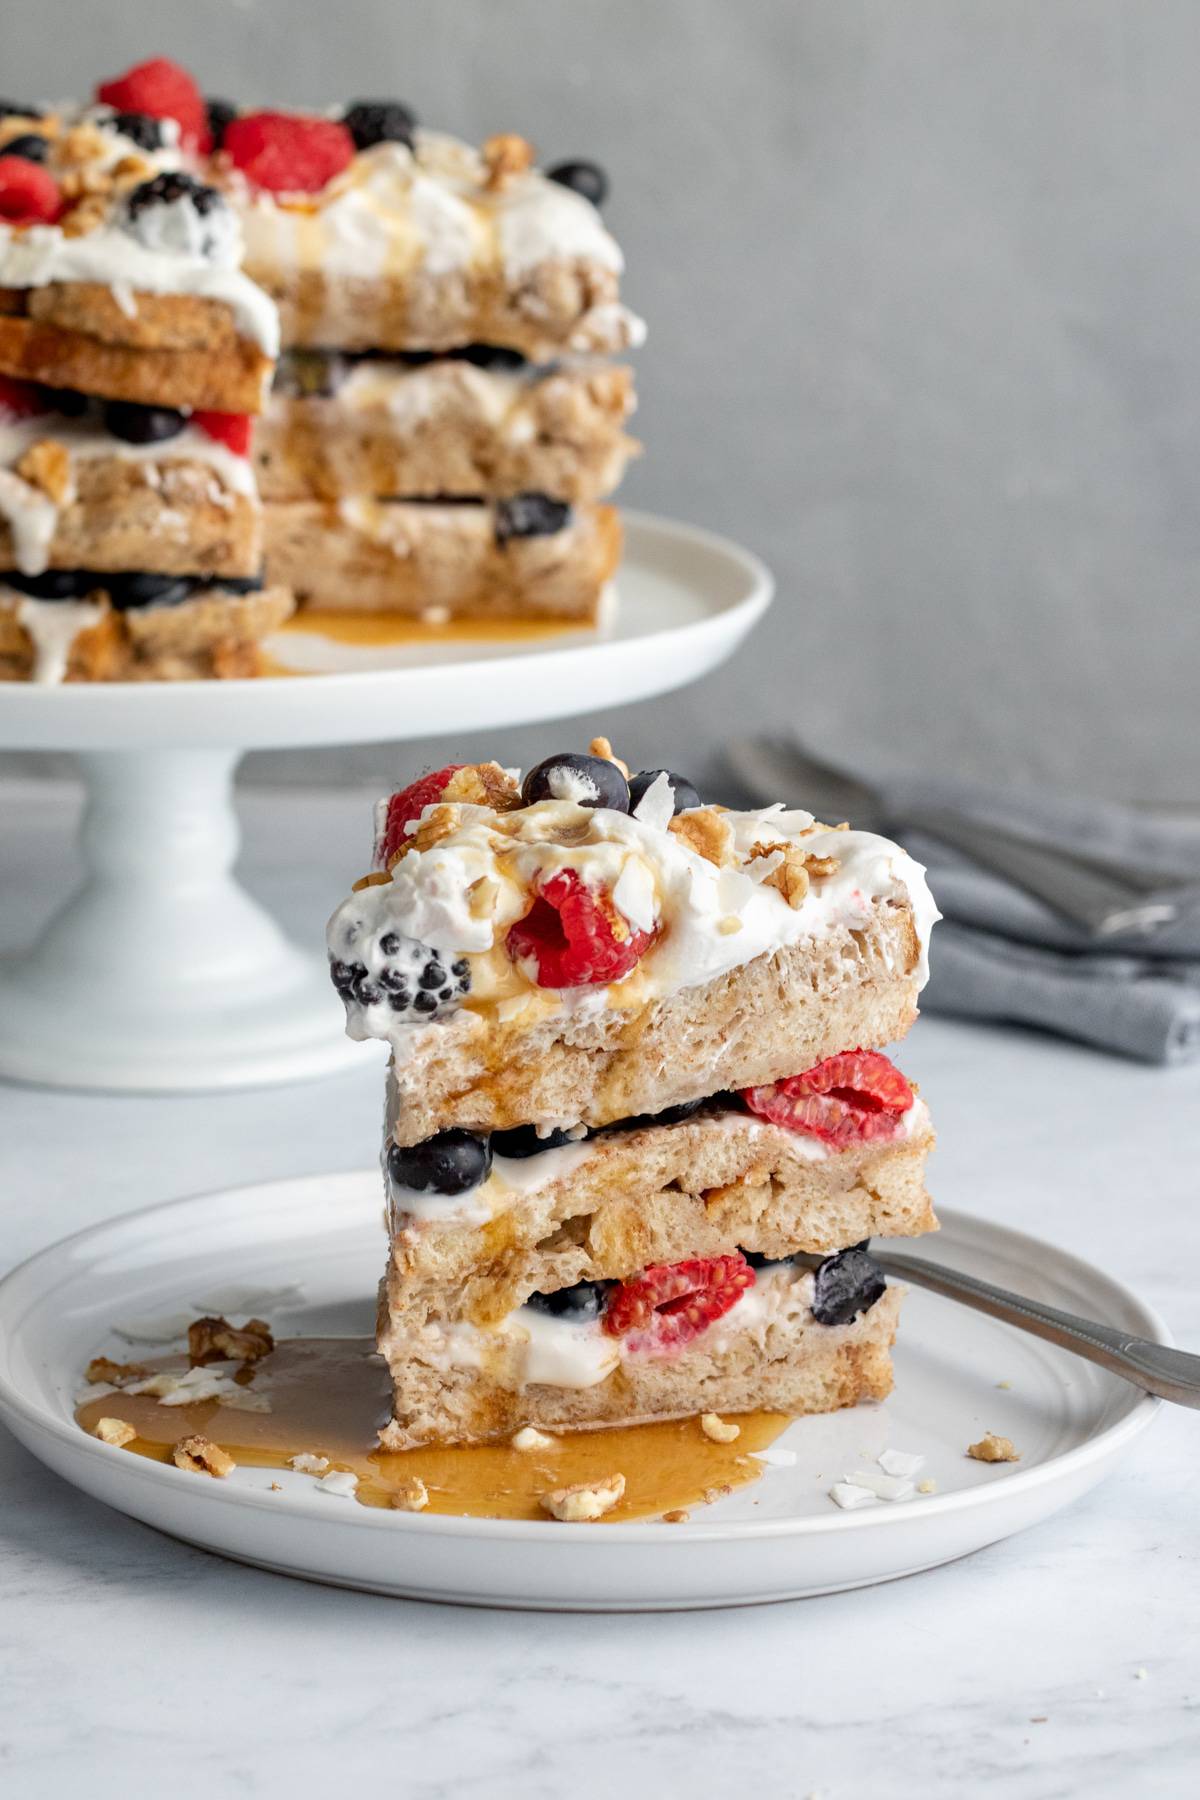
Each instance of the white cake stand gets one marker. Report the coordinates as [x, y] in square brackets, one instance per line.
[161, 973]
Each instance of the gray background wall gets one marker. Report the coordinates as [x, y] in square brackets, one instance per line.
[923, 280]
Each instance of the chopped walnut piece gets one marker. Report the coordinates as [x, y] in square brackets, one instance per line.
[115, 1431]
[103, 1368]
[601, 747]
[216, 1340]
[991, 1448]
[705, 831]
[505, 156]
[678, 1515]
[439, 822]
[483, 784]
[583, 1501]
[411, 1495]
[200, 1456]
[86, 215]
[796, 868]
[721, 1431]
[377, 878]
[47, 465]
[82, 144]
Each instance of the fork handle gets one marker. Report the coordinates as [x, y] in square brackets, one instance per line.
[1171, 1374]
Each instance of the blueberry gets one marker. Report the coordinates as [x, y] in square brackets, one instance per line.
[490, 356]
[135, 424]
[55, 584]
[684, 793]
[169, 187]
[845, 1285]
[239, 584]
[221, 114]
[127, 592]
[145, 131]
[530, 515]
[586, 178]
[32, 146]
[670, 1115]
[17, 109]
[757, 1260]
[588, 780]
[450, 1163]
[523, 1140]
[66, 401]
[379, 122]
[581, 1303]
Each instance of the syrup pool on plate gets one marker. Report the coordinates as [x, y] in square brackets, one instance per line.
[329, 1396]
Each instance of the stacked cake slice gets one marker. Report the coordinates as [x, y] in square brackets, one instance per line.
[631, 1085]
[133, 351]
[443, 428]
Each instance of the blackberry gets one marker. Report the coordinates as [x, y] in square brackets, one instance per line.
[586, 178]
[31, 145]
[412, 978]
[452, 1162]
[523, 1141]
[684, 793]
[135, 424]
[142, 128]
[579, 1304]
[588, 780]
[128, 592]
[169, 187]
[530, 515]
[845, 1285]
[379, 122]
[221, 114]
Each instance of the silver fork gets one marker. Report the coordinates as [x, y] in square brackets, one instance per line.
[1171, 1374]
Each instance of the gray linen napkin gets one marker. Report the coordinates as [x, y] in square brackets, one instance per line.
[1003, 954]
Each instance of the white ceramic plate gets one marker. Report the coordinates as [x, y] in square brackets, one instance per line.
[308, 1253]
[685, 600]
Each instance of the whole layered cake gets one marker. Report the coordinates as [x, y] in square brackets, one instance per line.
[638, 1130]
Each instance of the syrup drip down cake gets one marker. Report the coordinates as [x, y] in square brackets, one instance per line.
[632, 1079]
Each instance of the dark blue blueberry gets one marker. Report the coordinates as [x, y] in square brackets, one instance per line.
[127, 592]
[586, 178]
[845, 1285]
[530, 515]
[17, 109]
[146, 132]
[54, 584]
[379, 122]
[450, 1163]
[135, 424]
[239, 584]
[66, 401]
[31, 145]
[588, 780]
[221, 114]
[523, 1140]
[585, 1301]
[670, 1115]
[684, 793]
[490, 356]
[757, 1260]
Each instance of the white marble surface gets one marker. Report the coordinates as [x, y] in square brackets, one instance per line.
[1064, 1662]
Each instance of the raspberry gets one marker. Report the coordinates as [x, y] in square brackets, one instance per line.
[856, 1098]
[20, 399]
[231, 429]
[408, 805]
[667, 1305]
[164, 91]
[28, 193]
[576, 936]
[288, 153]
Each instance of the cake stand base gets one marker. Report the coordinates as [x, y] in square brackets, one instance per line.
[161, 973]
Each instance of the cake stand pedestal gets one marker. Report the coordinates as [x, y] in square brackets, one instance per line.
[162, 973]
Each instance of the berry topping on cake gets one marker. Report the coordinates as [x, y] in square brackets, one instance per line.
[854, 1098]
[574, 936]
[453, 1162]
[586, 780]
[55, 584]
[845, 1285]
[127, 592]
[288, 153]
[234, 430]
[586, 178]
[579, 1305]
[28, 193]
[379, 122]
[135, 424]
[177, 214]
[17, 109]
[220, 114]
[682, 791]
[666, 1306]
[530, 515]
[523, 1140]
[31, 145]
[141, 128]
[164, 91]
[406, 807]
[408, 977]
[20, 399]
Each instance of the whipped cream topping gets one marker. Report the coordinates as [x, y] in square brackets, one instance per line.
[461, 895]
[31, 514]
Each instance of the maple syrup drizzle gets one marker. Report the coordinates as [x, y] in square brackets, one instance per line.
[383, 629]
[330, 1395]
